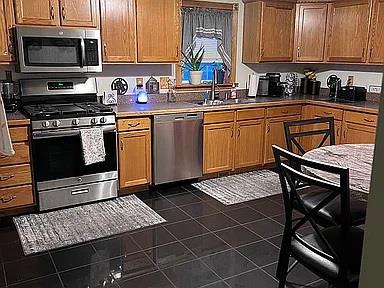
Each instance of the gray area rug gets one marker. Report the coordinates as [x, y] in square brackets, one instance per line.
[51, 230]
[242, 187]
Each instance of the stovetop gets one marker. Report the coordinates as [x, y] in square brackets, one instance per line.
[59, 111]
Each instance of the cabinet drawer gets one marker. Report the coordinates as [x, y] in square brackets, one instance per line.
[250, 114]
[21, 155]
[15, 175]
[361, 118]
[283, 111]
[19, 134]
[219, 117]
[133, 124]
[16, 196]
[328, 112]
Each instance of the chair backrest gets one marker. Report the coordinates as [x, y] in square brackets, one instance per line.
[292, 137]
[291, 170]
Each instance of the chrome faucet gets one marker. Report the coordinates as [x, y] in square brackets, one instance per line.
[213, 88]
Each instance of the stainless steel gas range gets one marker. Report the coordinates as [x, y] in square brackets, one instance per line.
[59, 110]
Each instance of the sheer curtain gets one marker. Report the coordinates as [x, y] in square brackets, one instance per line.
[208, 23]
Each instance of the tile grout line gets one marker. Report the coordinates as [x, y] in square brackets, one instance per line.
[57, 271]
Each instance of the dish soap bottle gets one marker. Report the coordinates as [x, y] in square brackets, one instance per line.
[233, 91]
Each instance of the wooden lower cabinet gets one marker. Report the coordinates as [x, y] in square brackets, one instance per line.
[218, 147]
[134, 158]
[249, 143]
[358, 134]
[274, 135]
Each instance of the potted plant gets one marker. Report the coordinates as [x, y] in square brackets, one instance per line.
[192, 63]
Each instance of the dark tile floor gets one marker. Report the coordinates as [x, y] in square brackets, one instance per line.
[203, 244]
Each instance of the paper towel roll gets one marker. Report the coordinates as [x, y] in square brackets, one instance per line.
[253, 83]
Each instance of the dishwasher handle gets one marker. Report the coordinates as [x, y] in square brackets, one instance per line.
[178, 117]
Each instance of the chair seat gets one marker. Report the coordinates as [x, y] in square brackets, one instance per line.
[322, 266]
[330, 214]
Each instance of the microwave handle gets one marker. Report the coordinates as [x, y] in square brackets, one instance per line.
[82, 47]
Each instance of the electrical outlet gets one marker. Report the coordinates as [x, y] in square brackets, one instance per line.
[374, 89]
[350, 81]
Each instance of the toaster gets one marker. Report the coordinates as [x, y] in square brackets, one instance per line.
[353, 93]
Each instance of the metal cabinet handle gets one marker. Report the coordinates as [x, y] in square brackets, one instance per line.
[238, 132]
[338, 132]
[121, 145]
[232, 133]
[5, 178]
[298, 52]
[133, 124]
[52, 13]
[3, 156]
[63, 12]
[345, 134]
[284, 111]
[327, 113]
[105, 50]
[7, 199]
[268, 128]
[363, 53]
[369, 120]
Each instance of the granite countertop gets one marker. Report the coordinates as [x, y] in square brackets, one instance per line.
[17, 119]
[134, 109]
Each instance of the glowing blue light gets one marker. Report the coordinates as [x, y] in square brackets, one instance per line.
[142, 97]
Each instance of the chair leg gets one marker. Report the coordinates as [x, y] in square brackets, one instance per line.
[282, 266]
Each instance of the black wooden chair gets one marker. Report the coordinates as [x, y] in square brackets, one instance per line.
[293, 138]
[333, 253]
[330, 215]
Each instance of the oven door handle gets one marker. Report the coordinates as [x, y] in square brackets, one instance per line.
[66, 133]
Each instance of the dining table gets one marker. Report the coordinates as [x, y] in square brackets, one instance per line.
[357, 157]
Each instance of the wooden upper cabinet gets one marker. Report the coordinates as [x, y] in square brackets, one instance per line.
[158, 26]
[79, 13]
[118, 27]
[268, 31]
[6, 22]
[37, 12]
[277, 31]
[376, 43]
[311, 26]
[348, 31]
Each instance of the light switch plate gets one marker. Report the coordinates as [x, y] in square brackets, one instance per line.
[374, 89]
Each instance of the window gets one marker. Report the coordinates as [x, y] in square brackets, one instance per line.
[212, 60]
[214, 26]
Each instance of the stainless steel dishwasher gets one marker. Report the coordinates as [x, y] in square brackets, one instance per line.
[178, 147]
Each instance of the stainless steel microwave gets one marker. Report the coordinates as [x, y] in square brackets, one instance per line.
[47, 50]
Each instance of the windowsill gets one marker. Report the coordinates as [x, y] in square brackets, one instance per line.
[201, 87]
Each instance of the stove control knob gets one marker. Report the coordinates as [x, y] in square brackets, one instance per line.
[56, 123]
[94, 121]
[45, 124]
[103, 120]
[75, 122]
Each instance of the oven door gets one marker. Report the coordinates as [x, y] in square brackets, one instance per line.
[58, 159]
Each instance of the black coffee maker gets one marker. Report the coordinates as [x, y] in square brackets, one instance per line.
[275, 87]
[334, 85]
[8, 93]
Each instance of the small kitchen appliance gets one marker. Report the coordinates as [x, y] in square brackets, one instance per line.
[59, 109]
[275, 89]
[8, 93]
[353, 93]
[49, 50]
[262, 89]
[334, 85]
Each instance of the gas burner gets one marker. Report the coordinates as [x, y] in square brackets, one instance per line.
[95, 108]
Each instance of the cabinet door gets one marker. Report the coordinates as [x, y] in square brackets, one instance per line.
[277, 31]
[79, 13]
[275, 135]
[311, 26]
[134, 158]
[158, 30]
[218, 147]
[358, 134]
[376, 50]
[118, 26]
[6, 21]
[348, 26]
[37, 12]
[249, 143]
